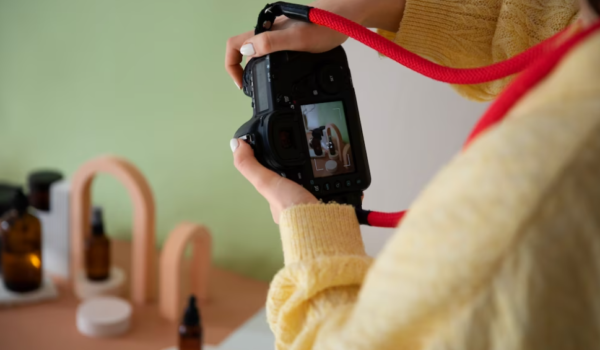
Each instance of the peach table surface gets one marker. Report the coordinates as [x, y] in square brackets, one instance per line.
[51, 325]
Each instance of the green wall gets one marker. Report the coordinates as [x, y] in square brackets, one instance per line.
[143, 79]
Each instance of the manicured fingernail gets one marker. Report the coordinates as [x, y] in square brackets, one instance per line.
[238, 85]
[247, 50]
[234, 143]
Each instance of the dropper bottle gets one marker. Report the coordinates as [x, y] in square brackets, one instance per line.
[97, 250]
[190, 330]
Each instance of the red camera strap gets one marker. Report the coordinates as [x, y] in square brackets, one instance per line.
[546, 56]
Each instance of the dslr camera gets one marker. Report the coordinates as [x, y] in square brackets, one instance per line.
[305, 124]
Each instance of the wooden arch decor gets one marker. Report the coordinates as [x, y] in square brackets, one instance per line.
[170, 303]
[143, 237]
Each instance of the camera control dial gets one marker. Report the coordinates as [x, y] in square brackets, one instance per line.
[330, 78]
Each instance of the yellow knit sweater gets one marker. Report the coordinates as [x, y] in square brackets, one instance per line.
[502, 249]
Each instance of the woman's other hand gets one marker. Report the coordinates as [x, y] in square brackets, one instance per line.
[280, 192]
[294, 35]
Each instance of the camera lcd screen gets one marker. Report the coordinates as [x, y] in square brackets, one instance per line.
[260, 81]
[328, 140]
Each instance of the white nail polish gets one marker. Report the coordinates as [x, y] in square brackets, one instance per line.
[238, 85]
[234, 143]
[247, 50]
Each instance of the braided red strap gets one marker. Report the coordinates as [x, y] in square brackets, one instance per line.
[425, 67]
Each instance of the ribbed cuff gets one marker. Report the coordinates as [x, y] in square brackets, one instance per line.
[319, 230]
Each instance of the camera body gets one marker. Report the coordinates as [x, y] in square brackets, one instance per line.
[306, 125]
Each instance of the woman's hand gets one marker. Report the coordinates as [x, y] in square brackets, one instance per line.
[294, 35]
[286, 34]
[280, 192]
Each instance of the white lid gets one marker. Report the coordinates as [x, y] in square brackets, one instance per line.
[103, 317]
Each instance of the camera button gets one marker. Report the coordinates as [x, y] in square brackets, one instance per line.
[348, 183]
[317, 188]
[358, 182]
[327, 186]
[330, 78]
[338, 185]
[282, 100]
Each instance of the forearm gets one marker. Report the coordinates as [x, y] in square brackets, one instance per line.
[384, 14]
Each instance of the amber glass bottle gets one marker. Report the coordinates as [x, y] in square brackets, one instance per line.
[21, 247]
[190, 329]
[6, 195]
[97, 250]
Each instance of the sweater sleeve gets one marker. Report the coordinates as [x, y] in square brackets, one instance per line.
[325, 264]
[475, 33]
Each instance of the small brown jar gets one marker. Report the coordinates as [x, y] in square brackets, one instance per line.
[97, 250]
[39, 188]
[21, 234]
[190, 329]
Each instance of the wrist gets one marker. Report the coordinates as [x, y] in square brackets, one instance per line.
[308, 199]
[322, 230]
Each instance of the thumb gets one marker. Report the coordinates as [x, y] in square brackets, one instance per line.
[245, 162]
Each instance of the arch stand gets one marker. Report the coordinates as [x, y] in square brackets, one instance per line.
[170, 301]
[143, 220]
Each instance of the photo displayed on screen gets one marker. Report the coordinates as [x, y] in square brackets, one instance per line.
[328, 140]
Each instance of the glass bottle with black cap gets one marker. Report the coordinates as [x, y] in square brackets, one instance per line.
[190, 329]
[6, 194]
[21, 234]
[97, 249]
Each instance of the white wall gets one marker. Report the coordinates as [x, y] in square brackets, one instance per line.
[412, 127]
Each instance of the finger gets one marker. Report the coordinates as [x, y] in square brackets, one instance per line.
[278, 40]
[264, 180]
[233, 57]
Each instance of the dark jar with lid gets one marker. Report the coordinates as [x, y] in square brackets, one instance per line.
[39, 188]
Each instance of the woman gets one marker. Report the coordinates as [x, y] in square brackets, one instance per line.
[502, 249]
